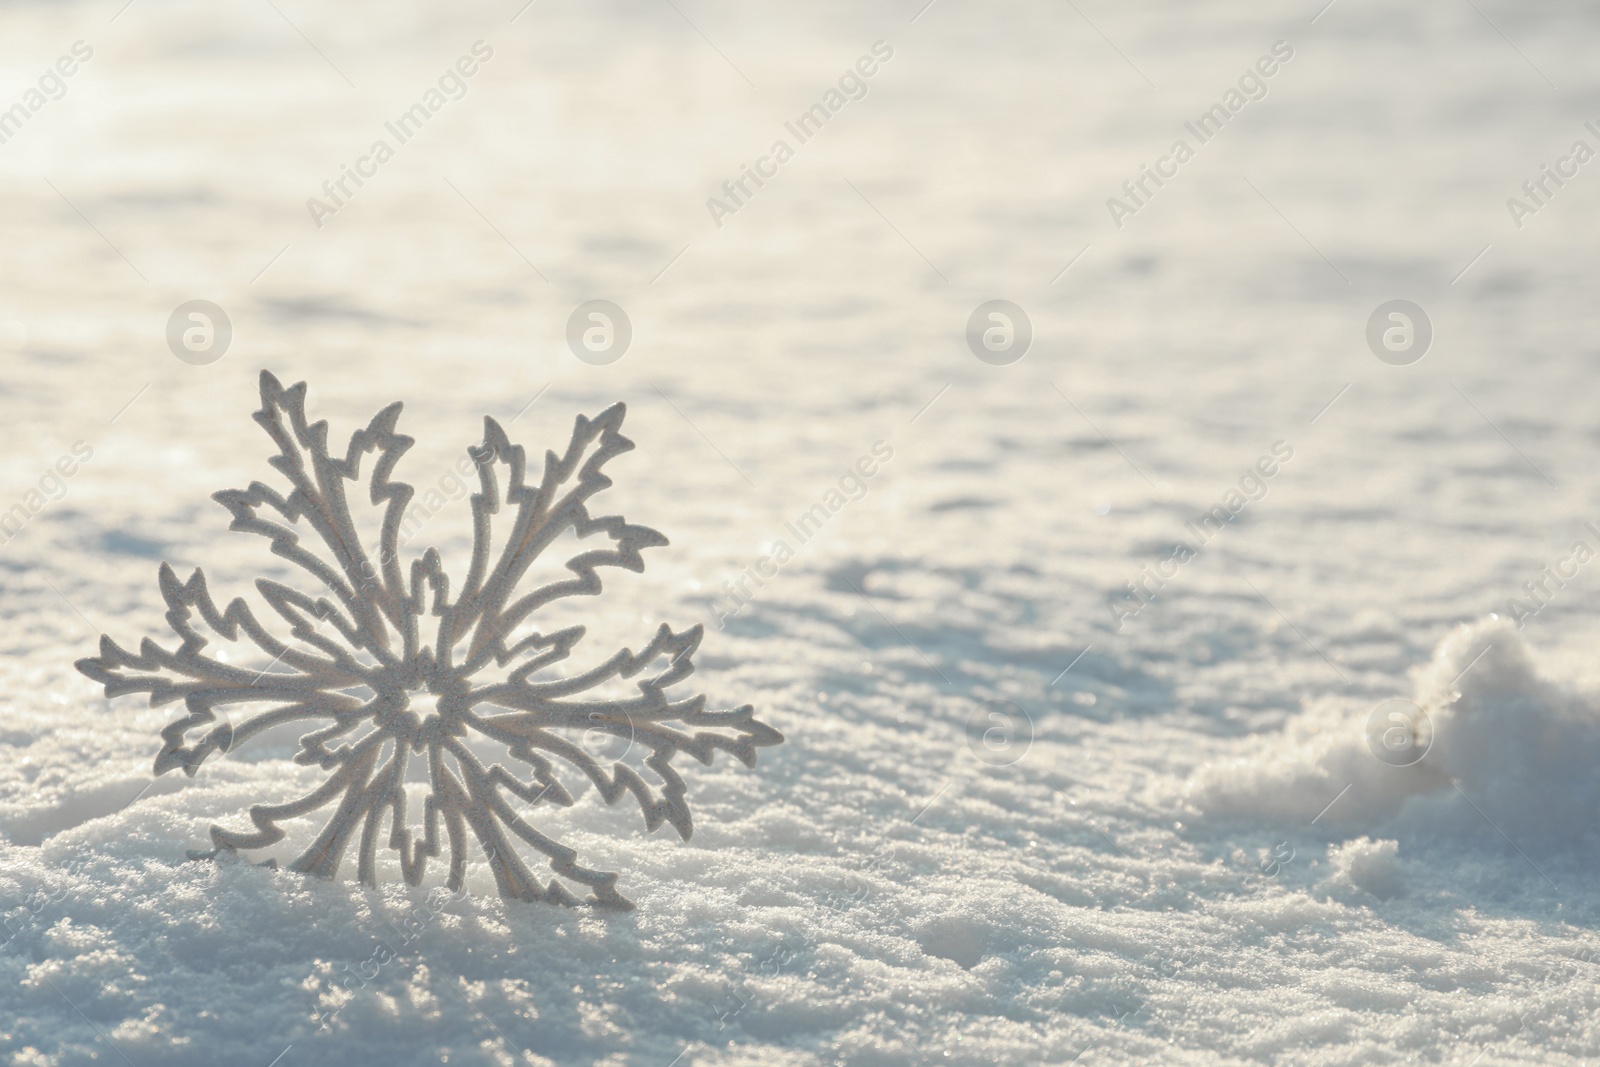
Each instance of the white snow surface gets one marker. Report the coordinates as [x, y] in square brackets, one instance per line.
[1198, 858]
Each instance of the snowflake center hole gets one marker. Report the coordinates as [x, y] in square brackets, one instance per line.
[425, 706]
[419, 716]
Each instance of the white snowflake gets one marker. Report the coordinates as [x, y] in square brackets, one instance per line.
[359, 661]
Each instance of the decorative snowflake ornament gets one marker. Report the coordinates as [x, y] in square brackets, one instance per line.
[403, 680]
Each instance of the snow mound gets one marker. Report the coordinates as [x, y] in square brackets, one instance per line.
[1370, 865]
[1483, 736]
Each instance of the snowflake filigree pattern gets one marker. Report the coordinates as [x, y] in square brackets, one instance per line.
[386, 700]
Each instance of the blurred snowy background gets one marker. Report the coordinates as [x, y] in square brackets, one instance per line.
[1181, 841]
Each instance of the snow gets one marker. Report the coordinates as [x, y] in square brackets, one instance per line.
[1486, 733]
[1183, 849]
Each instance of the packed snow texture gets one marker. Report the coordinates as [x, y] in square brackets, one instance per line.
[1014, 822]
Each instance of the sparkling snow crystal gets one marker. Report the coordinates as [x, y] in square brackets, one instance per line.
[390, 668]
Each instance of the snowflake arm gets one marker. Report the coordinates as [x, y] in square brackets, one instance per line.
[539, 712]
[205, 683]
[541, 515]
[371, 593]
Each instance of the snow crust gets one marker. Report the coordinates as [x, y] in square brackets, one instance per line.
[1182, 846]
